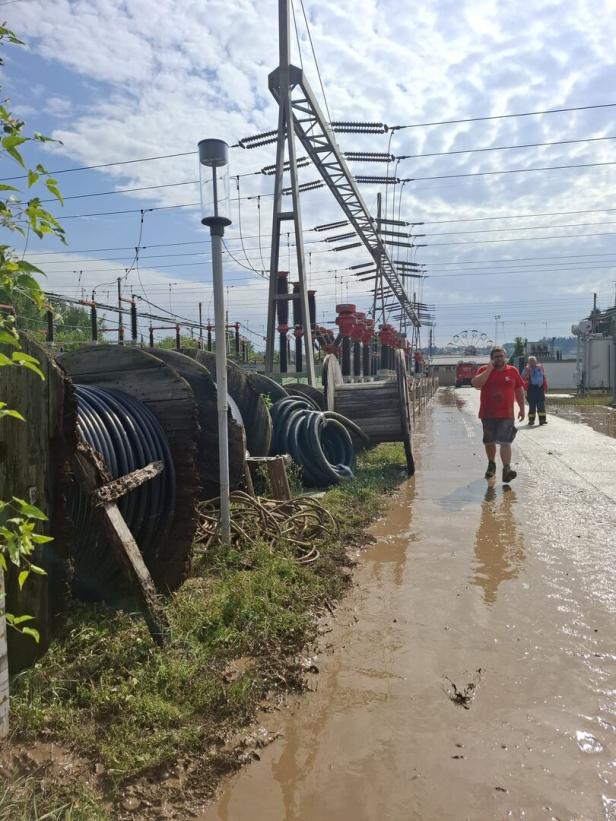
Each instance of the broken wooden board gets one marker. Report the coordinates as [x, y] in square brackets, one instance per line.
[93, 478]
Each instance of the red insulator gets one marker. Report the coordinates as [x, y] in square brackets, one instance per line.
[298, 332]
[331, 348]
[282, 329]
[345, 322]
[345, 309]
[357, 331]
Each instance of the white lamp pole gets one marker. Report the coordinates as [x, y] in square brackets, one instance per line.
[214, 185]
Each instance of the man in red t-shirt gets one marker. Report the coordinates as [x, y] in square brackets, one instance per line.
[500, 384]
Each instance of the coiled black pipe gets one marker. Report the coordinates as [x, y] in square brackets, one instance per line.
[319, 441]
[128, 436]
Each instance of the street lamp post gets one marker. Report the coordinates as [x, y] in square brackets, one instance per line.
[214, 188]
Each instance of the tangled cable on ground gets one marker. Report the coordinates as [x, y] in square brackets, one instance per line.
[321, 442]
[300, 522]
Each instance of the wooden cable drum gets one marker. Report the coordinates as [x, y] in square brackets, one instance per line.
[170, 398]
[300, 389]
[255, 415]
[267, 387]
[203, 387]
[33, 459]
[381, 409]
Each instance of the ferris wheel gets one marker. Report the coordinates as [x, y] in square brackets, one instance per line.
[469, 339]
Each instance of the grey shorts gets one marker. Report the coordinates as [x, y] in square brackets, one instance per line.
[498, 431]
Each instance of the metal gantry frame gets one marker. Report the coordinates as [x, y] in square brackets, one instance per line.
[300, 115]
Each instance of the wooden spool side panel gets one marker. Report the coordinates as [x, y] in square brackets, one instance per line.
[376, 410]
[171, 400]
[204, 391]
[405, 411]
[33, 457]
[255, 415]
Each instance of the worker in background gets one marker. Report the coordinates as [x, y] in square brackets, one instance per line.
[500, 385]
[536, 386]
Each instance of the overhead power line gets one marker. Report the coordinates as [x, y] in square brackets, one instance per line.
[509, 171]
[517, 216]
[500, 148]
[503, 116]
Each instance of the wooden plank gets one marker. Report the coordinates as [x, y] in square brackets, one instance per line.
[90, 473]
[32, 466]
[4, 667]
[117, 488]
[278, 478]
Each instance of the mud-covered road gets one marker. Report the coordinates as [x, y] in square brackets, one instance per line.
[471, 673]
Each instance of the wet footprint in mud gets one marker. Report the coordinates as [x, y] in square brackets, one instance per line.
[462, 697]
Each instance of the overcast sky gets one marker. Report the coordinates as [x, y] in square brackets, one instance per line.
[117, 80]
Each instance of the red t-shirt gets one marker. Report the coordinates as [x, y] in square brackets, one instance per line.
[498, 393]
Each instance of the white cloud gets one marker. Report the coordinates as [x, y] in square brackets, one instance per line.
[169, 72]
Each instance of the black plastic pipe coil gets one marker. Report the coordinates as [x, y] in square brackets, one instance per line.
[318, 441]
[128, 436]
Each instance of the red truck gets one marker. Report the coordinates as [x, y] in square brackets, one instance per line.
[465, 372]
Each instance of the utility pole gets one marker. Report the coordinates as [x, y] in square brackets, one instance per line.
[286, 138]
[200, 326]
[120, 314]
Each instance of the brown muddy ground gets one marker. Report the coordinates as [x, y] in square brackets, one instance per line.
[471, 674]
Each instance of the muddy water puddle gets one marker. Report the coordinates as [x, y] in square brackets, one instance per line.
[471, 672]
[598, 417]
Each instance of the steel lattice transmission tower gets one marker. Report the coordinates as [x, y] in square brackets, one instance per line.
[300, 115]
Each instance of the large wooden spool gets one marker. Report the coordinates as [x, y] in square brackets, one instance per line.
[171, 399]
[255, 415]
[201, 381]
[381, 409]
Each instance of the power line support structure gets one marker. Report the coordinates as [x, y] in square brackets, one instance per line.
[299, 107]
[286, 140]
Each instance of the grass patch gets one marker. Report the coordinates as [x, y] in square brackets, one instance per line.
[599, 398]
[107, 695]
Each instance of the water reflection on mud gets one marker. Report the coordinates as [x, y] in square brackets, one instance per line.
[499, 551]
[598, 417]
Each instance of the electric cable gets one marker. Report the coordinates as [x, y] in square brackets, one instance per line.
[316, 63]
[128, 436]
[505, 116]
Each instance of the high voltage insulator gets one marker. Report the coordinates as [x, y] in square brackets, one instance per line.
[346, 247]
[302, 162]
[331, 226]
[383, 221]
[340, 236]
[360, 265]
[258, 139]
[378, 180]
[344, 127]
[305, 186]
[368, 156]
[405, 264]
[394, 233]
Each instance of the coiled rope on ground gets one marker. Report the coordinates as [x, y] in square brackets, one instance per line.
[301, 523]
[320, 442]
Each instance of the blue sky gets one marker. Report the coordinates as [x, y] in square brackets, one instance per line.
[117, 80]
